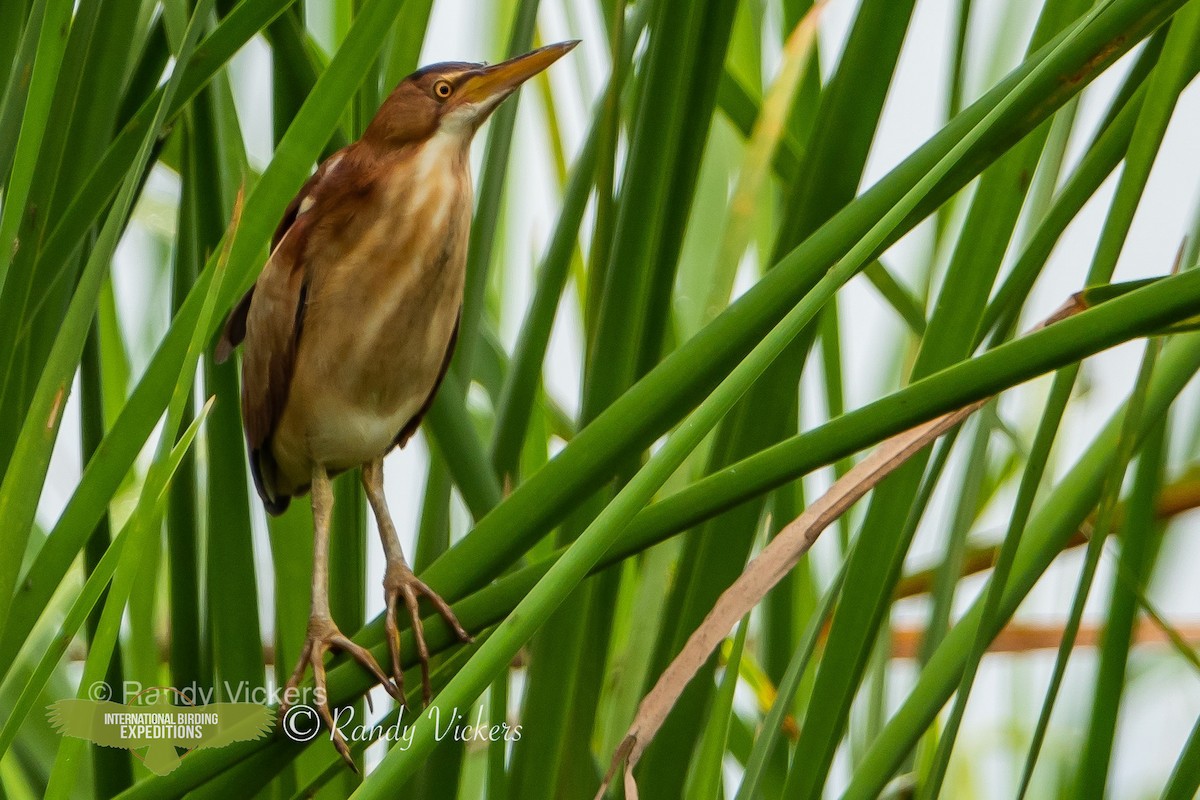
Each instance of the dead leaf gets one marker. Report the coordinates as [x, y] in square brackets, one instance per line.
[770, 566]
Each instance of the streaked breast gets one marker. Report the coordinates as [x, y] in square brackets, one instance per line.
[385, 317]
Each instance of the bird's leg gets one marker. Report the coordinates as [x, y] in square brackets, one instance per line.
[400, 582]
[323, 633]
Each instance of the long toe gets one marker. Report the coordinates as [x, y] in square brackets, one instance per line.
[392, 631]
[401, 584]
[414, 613]
[291, 688]
[324, 635]
[363, 656]
[322, 697]
[444, 609]
[313, 654]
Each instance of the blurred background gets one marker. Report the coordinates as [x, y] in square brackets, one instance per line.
[952, 53]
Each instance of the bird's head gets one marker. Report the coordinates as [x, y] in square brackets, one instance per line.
[455, 97]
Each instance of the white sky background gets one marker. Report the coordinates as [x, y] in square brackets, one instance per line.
[1155, 720]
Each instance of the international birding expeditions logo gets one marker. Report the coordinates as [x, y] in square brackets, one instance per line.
[149, 720]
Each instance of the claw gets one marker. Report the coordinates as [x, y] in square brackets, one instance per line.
[324, 635]
[399, 581]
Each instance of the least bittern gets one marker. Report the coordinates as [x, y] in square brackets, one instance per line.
[350, 327]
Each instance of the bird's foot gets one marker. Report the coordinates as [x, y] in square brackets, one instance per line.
[324, 635]
[399, 583]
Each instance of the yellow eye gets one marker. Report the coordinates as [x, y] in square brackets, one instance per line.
[443, 89]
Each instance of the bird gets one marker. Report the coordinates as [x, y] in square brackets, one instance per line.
[350, 327]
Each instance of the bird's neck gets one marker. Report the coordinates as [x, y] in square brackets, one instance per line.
[396, 132]
[444, 155]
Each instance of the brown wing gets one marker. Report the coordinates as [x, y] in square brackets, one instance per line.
[235, 325]
[274, 321]
[270, 319]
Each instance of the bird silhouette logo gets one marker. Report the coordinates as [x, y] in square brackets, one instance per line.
[159, 727]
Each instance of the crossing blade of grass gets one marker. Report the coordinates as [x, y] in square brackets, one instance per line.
[1004, 366]
[143, 526]
[263, 207]
[851, 105]
[772, 564]
[764, 139]
[54, 28]
[1166, 83]
[706, 780]
[1057, 518]
[1185, 778]
[19, 491]
[772, 724]
[490, 605]
[487, 204]
[1141, 534]
[86, 600]
[87, 205]
[659, 399]
[524, 375]
[1127, 445]
[549, 593]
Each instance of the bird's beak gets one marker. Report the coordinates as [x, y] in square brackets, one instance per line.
[489, 85]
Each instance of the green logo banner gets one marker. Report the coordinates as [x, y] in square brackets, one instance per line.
[160, 728]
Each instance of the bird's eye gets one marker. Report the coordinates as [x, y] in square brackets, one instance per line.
[443, 89]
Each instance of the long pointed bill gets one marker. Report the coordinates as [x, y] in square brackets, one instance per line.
[491, 84]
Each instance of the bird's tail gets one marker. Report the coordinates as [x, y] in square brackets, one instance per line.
[262, 467]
